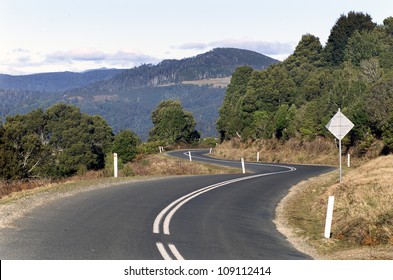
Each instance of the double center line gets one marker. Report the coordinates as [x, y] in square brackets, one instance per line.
[162, 221]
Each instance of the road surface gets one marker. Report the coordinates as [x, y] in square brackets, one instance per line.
[184, 217]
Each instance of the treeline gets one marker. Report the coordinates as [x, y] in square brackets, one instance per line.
[54, 143]
[297, 97]
[63, 141]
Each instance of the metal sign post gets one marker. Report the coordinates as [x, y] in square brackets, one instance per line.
[339, 126]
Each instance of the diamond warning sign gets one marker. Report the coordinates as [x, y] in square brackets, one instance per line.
[339, 125]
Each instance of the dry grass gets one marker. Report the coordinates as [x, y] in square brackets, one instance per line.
[363, 213]
[143, 168]
[318, 151]
[161, 165]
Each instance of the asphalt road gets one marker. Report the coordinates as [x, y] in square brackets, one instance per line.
[185, 217]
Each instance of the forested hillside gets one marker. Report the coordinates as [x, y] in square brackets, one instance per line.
[296, 98]
[57, 81]
[127, 99]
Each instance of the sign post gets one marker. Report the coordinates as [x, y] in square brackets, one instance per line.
[339, 126]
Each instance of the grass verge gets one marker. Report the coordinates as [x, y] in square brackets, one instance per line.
[144, 168]
[363, 213]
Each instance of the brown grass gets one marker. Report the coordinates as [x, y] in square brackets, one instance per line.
[151, 165]
[363, 213]
[161, 165]
[318, 151]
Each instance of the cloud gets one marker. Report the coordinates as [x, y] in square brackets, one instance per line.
[76, 55]
[264, 47]
[133, 56]
[123, 57]
[20, 61]
[193, 46]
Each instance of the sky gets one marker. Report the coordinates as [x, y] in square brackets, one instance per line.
[39, 36]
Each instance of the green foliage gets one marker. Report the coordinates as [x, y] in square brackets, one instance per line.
[125, 145]
[209, 142]
[345, 26]
[361, 46]
[58, 142]
[297, 97]
[172, 124]
[152, 147]
[231, 119]
[307, 52]
[388, 25]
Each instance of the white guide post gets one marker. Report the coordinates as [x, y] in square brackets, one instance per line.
[115, 165]
[329, 217]
[257, 156]
[189, 155]
[211, 150]
[349, 160]
[243, 166]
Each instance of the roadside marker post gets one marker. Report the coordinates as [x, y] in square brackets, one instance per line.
[115, 165]
[189, 155]
[349, 160]
[211, 150]
[243, 166]
[257, 156]
[329, 217]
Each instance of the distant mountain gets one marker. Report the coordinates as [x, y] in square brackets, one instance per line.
[57, 81]
[218, 63]
[127, 98]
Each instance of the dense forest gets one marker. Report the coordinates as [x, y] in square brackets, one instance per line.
[297, 98]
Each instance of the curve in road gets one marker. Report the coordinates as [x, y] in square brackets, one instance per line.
[167, 213]
[185, 217]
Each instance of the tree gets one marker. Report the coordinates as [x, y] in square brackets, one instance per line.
[77, 139]
[231, 120]
[308, 51]
[125, 145]
[388, 24]
[172, 124]
[24, 146]
[345, 26]
[54, 143]
[362, 45]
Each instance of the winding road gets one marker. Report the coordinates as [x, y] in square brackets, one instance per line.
[184, 217]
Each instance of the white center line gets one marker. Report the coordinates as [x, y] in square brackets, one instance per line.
[169, 211]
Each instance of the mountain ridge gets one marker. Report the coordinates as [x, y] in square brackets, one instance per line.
[217, 63]
[55, 81]
[127, 98]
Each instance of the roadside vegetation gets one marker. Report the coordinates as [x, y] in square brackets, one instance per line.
[44, 147]
[362, 225]
[280, 112]
[295, 99]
